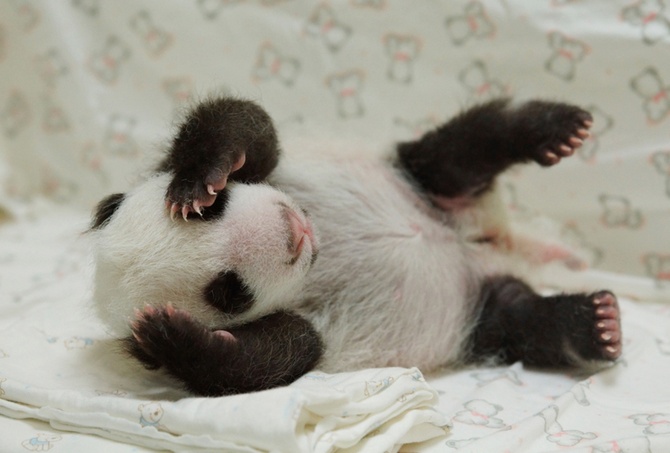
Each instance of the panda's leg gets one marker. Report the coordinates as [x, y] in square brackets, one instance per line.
[462, 157]
[220, 139]
[272, 351]
[515, 324]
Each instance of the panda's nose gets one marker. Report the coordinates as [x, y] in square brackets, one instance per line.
[300, 232]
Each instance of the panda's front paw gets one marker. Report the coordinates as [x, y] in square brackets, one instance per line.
[171, 337]
[191, 194]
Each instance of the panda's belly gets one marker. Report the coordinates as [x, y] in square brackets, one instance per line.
[392, 284]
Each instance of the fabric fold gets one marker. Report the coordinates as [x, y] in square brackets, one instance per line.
[318, 413]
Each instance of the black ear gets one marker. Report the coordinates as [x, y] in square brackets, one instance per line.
[106, 209]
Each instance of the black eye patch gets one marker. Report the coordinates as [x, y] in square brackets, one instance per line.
[215, 211]
[228, 293]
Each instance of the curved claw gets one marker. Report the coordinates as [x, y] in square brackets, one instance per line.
[197, 208]
[210, 189]
[174, 208]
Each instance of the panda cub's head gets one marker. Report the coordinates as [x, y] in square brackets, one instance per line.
[248, 256]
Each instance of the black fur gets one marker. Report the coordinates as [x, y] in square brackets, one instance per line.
[518, 324]
[228, 293]
[460, 158]
[269, 352]
[106, 209]
[464, 156]
[215, 135]
[216, 211]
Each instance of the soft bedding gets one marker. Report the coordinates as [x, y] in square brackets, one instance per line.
[63, 383]
[89, 90]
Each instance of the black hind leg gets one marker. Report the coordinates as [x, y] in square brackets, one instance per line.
[463, 157]
[567, 329]
[272, 351]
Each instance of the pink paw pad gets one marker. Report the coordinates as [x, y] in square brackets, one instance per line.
[608, 324]
[568, 147]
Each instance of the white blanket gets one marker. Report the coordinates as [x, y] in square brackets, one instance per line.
[88, 89]
[57, 365]
[59, 370]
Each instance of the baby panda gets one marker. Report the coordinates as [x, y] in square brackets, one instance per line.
[234, 270]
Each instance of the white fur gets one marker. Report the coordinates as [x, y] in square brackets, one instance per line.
[395, 282]
[143, 257]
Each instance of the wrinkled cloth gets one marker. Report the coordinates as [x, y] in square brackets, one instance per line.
[58, 365]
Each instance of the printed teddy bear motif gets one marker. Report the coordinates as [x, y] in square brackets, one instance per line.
[41, 442]
[78, 343]
[460, 443]
[589, 253]
[317, 376]
[567, 52]
[119, 393]
[416, 128]
[54, 118]
[56, 186]
[178, 89]
[649, 16]
[155, 40]
[373, 4]
[91, 158]
[473, 23]
[476, 79]
[323, 24]
[618, 211]
[654, 93]
[29, 16]
[579, 392]
[555, 432]
[2, 391]
[661, 161]
[106, 64]
[347, 86]
[211, 8]
[654, 423]
[402, 51]
[151, 414]
[90, 7]
[487, 376]
[15, 115]
[482, 413]
[51, 66]
[374, 387]
[630, 445]
[602, 123]
[118, 138]
[271, 64]
[657, 267]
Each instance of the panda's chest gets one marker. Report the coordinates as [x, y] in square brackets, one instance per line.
[378, 238]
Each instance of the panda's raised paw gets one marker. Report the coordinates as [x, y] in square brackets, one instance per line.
[188, 194]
